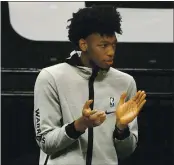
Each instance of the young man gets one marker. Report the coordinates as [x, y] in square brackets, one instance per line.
[85, 110]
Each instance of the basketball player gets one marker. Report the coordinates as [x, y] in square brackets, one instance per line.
[86, 110]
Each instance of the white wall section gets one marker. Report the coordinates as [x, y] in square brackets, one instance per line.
[47, 21]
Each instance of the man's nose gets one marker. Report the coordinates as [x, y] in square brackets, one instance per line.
[111, 52]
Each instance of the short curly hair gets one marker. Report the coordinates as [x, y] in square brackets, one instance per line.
[103, 19]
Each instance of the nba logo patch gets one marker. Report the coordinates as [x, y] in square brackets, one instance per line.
[112, 102]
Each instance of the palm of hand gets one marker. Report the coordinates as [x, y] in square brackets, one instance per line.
[127, 111]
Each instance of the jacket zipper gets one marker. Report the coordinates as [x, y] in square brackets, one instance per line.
[90, 130]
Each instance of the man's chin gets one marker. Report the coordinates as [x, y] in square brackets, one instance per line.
[105, 67]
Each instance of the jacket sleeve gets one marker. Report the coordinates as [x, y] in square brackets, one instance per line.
[127, 145]
[51, 134]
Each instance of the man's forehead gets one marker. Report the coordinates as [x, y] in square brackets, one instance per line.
[106, 38]
[102, 38]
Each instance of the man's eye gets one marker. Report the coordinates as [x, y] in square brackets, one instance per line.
[104, 45]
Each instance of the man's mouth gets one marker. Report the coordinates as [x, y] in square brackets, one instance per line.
[109, 62]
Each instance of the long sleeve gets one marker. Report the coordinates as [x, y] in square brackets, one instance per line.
[51, 134]
[126, 146]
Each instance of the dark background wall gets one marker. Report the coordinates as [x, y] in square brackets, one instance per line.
[151, 64]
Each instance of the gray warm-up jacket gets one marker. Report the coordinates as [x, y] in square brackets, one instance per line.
[59, 95]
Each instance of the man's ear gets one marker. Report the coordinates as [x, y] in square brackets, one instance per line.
[83, 45]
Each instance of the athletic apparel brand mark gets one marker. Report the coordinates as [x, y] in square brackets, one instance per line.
[112, 102]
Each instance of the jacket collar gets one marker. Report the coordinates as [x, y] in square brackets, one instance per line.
[86, 72]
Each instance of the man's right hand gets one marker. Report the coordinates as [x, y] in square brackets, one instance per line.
[90, 118]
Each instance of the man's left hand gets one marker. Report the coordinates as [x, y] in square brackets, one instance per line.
[126, 112]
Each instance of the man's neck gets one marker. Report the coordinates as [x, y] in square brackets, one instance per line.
[87, 63]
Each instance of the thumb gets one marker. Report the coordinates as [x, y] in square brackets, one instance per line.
[87, 104]
[122, 99]
[86, 108]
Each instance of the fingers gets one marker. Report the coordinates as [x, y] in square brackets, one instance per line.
[96, 115]
[88, 112]
[86, 108]
[141, 100]
[136, 96]
[122, 99]
[139, 96]
[141, 105]
[132, 111]
[98, 119]
[87, 104]
[93, 112]
[102, 118]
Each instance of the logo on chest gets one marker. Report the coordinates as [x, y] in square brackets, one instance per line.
[112, 102]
